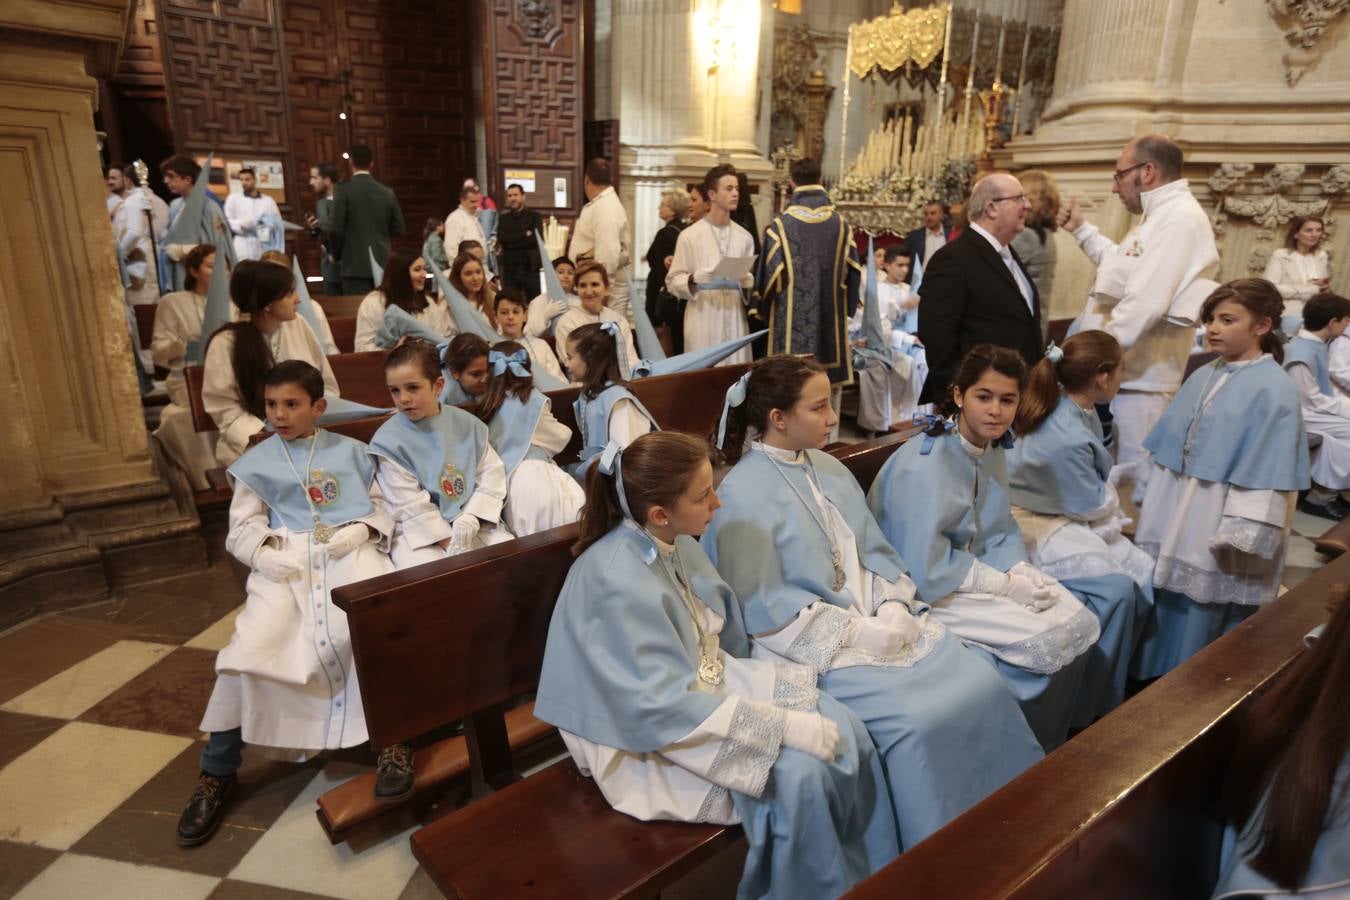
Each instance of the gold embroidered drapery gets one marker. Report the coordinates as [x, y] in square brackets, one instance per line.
[890, 41]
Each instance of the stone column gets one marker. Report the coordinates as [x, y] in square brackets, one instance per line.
[81, 497]
[687, 80]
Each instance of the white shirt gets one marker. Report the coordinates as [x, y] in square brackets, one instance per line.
[699, 249]
[1292, 273]
[577, 316]
[132, 230]
[933, 241]
[1169, 251]
[462, 225]
[243, 213]
[602, 235]
[370, 317]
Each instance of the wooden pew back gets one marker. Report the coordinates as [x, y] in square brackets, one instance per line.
[344, 332]
[1128, 808]
[145, 322]
[341, 305]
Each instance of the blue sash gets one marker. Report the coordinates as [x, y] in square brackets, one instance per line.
[513, 427]
[338, 481]
[441, 450]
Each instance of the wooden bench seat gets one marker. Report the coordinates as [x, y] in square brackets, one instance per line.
[1128, 808]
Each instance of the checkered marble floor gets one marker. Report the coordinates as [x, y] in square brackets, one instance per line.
[98, 752]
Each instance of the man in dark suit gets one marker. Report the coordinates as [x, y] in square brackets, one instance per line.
[923, 242]
[365, 217]
[975, 290]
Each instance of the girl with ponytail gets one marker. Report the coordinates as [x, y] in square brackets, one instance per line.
[821, 587]
[942, 501]
[649, 678]
[1229, 457]
[605, 409]
[239, 355]
[523, 431]
[1061, 484]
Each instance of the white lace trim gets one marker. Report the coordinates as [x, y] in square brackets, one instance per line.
[931, 631]
[1138, 567]
[1050, 651]
[717, 808]
[753, 741]
[1208, 586]
[822, 637]
[1248, 536]
[902, 589]
[794, 687]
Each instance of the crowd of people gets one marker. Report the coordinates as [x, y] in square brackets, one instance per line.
[840, 672]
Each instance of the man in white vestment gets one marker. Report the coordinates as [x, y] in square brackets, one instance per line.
[716, 308]
[462, 224]
[602, 233]
[244, 211]
[1149, 289]
[133, 215]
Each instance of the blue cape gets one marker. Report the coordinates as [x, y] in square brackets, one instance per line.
[441, 450]
[1060, 468]
[338, 480]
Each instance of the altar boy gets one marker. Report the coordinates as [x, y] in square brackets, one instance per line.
[306, 517]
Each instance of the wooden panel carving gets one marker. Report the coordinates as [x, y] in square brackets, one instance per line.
[534, 91]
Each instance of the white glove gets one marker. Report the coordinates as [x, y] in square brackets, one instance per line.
[176, 252]
[1030, 588]
[1108, 529]
[178, 349]
[556, 308]
[810, 732]
[462, 532]
[346, 539]
[275, 565]
[896, 615]
[875, 637]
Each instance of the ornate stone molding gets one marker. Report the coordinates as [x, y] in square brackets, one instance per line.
[800, 93]
[1271, 199]
[1306, 21]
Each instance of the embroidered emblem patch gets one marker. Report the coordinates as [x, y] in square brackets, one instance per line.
[324, 489]
[453, 482]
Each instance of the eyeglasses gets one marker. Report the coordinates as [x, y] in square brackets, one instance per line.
[1121, 173]
[1020, 198]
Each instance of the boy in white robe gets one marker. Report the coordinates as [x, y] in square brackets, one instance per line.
[306, 517]
[1326, 414]
[511, 322]
[716, 308]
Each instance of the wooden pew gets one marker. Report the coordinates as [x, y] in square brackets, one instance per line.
[1059, 330]
[467, 660]
[1128, 808]
[1335, 540]
[145, 322]
[344, 332]
[341, 305]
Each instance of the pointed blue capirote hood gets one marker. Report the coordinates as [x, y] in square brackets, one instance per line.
[694, 359]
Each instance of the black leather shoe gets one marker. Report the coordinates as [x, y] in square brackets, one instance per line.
[394, 774]
[201, 817]
[1335, 510]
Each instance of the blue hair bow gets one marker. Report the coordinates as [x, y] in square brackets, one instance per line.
[611, 328]
[735, 397]
[611, 463]
[1006, 440]
[930, 422]
[516, 362]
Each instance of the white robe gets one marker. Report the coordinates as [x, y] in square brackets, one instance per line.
[1326, 417]
[602, 234]
[220, 391]
[540, 495]
[243, 213]
[460, 226]
[577, 316]
[712, 315]
[888, 397]
[1181, 515]
[541, 356]
[287, 677]
[1293, 274]
[178, 322]
[419, 526]
[131, 228]
[370, 316]
[537, 321]
[1339, 363]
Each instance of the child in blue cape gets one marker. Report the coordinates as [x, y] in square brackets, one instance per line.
[605, 409]
[464, 366]
[1064, 500]
[1326, 411]
[942, 501]
[646, 676]
[306, 517]
[821, 587]
[1229, 458]
[442, 480]
[523, 431]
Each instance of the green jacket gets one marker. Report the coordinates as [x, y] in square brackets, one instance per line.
[365, 217]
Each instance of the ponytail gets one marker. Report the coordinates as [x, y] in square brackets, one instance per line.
[1260, 298]
[254, 286]
[1075, 366]
[506, 383]
[775, 382]
[980, 359]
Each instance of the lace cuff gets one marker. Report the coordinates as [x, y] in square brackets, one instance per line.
[1247, 536]
[794, 687]
[985, 579]
[821, 638]
[750, 749]
[902, 590]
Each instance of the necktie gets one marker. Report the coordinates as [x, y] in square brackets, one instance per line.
[1019, 276]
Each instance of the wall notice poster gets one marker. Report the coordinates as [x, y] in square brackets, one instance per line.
[560, 193]
[523, 177]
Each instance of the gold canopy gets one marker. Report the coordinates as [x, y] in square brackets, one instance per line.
[890, 41]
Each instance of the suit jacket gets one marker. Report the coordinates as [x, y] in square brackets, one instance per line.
[365, 217]
[969, 297]
[914, 244]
